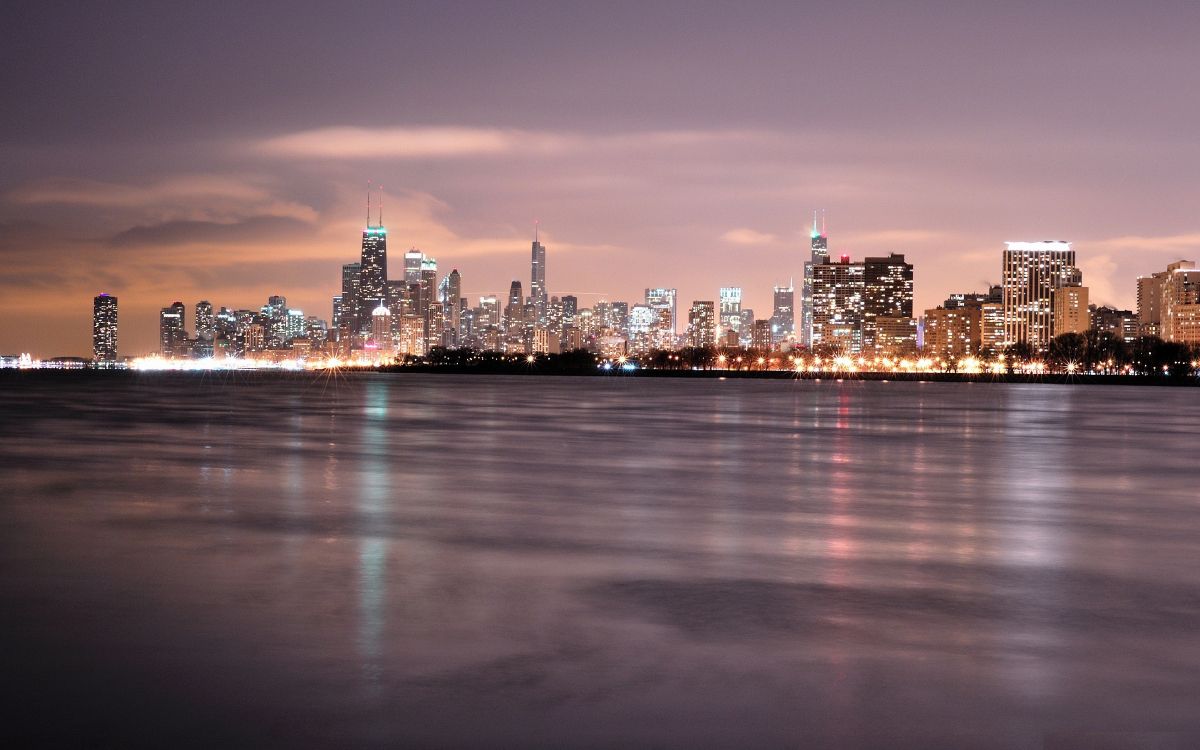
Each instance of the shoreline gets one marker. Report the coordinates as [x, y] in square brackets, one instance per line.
[533, 370]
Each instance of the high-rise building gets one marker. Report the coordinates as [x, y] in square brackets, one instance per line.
[1179, 303]
[381, 328]
[1071, 310]
[887, 292]
[372, 273]
[702, 324]
[450, 293]
[206, 322]
[731, 308]
[952, 334]
[537, 283]
[661, 298]
[818, 254]
[104, 329]
[837, 305]
[760, 334]
[171, 334]
[412, 266]
[1120, 324]
[783, 314]
[1149, 302]
[1033, 272]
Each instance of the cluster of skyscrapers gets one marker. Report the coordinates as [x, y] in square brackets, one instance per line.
[861, 309]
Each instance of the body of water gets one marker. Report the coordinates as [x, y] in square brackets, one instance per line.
[410, 560]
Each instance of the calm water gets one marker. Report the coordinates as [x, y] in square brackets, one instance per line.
[503, 562]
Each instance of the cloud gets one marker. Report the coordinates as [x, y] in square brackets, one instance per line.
[896, 237]
[407, 142]
[198, 197]
[209, 232]
[451, 141]
[746, 236]
[1174, 244]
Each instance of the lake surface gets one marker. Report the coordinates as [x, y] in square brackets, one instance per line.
[410, 560]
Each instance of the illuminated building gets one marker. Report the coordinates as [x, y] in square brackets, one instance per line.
[381, 328]
[450, 294]
[1071, 310]
[1032, 273]
[275, 316]
[887, 291]
[783, 314]
[661, 298]
[206, 322]
[104, 329]
[1149, 300]
[1121, 324]
[760, 335]
[1180, 303]
[895, 336]
[731, 308]
[514, 310]
[537, 282]
[172, 337]
[818, 254]
[702, 324]
[372, 273]
[952, 334]
[837, 306]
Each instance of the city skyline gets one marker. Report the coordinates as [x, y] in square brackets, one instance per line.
[157, 173]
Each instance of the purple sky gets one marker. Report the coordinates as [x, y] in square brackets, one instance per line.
[162, 153]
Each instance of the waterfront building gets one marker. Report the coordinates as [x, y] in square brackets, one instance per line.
[381, 328]
[1071, 310]
[818, 254]
[172, 337]
[783, 314]
[837, 306]
[896, 336]
[953, 333]
[1180, 303]
[1149, 300]
[372, 273]
[661, 298]
[731, 308]
[1121, 324]
[887, 292]
[104, 329]
[760, 335]
[1032, 273]
[702, 328]
[206, 322]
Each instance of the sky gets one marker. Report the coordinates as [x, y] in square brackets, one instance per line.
[163, 151]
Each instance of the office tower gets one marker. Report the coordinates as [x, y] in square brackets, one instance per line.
[887, 292]
[991, 328]
[702, 324]
[275, 323]
[1033, 272]
[1071, 310]
[818, 254]
[958, 300]
[896, 336]
[1120, 324]
[206, 322]
[1149, 299]
[952, 334]
[104, 329]
[783, 314]
[537, 283]
[450, 293]
[837, 306]
[381, 328]
[430, 307]
[514, 310]
[1179, 303]
[570, 309]
[171, 335]
[731, 308]
[661, 298]
[745, 327]
[372, 283]
[347, 318]
[295, 325]
[760, 335]
[412, 266]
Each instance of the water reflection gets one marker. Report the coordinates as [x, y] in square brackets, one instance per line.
[559, 562]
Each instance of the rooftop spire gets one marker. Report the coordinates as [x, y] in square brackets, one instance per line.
[823, 223]
[381, 205]
[815, 233]
[368, 204]
[535, 229]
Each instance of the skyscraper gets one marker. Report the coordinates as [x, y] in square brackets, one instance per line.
[171, 335]
[887, 292]
[837, 305]
[537, 284]
[206, 322]
[372, 285]
[783, 317]
[818, 254]
[450, 294]
[662, 298]
[1033, 272]
[412, 266]
[351, 279]
[702, 324]
[731, 309]
[104, 329]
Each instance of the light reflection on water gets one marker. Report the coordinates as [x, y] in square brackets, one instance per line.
[516, 561]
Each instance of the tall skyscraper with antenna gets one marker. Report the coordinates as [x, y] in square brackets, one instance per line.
[372, 286]
[818, 254]
[537, 282]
